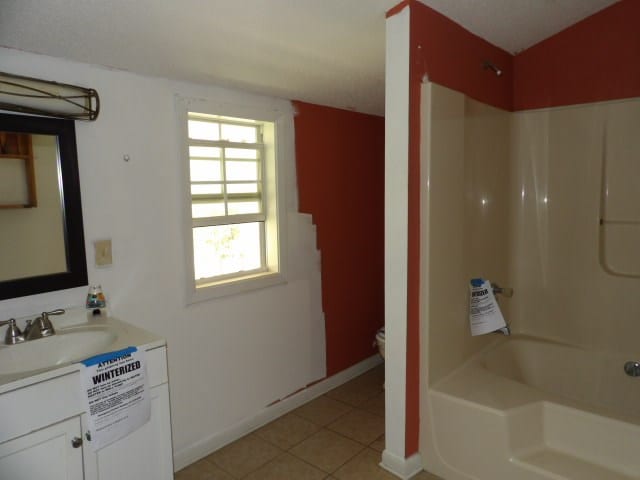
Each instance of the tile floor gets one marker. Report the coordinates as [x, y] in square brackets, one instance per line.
[338, 436]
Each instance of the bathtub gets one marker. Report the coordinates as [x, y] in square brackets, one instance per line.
[531, 409]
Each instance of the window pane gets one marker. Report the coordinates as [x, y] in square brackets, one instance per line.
[203, 130]
[205, 170]
[240, 208]
[241, 170]
[241, 153]
[207, 209]
[225, 249]
[206, 152]
[242, 188]
[206, 189]
[239, 133]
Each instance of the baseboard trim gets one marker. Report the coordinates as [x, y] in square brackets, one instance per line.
[208, 445]
[401, 467]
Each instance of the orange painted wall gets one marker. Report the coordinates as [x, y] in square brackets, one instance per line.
[340, 169]
[596, 59]
[452, 56]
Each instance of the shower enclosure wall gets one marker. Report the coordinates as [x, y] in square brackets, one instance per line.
[547, 202]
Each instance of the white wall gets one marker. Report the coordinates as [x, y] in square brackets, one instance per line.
[228, 358]
[396, 198]
[395, 228]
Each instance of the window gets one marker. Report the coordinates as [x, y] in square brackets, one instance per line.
[233, 203]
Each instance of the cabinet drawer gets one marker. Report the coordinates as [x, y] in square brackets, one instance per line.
[29, 408]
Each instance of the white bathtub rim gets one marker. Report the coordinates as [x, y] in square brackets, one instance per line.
[432, 457]
[537, 394]
[440, 464]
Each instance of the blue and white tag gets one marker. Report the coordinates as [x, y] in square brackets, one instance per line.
[484, 313]
[116, 396]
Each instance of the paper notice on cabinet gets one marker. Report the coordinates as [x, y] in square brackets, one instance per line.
[116, 395]
[484, 313]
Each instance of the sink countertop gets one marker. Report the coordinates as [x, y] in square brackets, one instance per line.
[80, 319]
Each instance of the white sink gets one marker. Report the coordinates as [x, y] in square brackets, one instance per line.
[68, 345]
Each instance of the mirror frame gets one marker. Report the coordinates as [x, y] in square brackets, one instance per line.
[76, 274]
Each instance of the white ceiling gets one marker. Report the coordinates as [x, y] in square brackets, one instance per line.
[329, 52]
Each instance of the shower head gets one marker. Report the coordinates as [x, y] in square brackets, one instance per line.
[487, 65]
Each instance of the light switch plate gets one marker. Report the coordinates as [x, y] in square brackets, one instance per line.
[103, 255]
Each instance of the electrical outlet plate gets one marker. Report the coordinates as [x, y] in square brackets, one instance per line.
[103, 255]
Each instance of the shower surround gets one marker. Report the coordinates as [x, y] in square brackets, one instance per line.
[547, 202]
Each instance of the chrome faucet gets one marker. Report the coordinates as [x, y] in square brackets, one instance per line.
[13, 334]
[632, 368]
[507, 292]
[506, 331]
[41, 326]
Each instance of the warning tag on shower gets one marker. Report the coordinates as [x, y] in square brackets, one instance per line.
[116, 395]
[484, 313]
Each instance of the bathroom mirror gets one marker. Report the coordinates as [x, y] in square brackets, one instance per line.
[41, 229]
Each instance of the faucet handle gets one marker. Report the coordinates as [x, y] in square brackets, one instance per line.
[505, 291]
[13, 334]
[57, 311]
[45, 323]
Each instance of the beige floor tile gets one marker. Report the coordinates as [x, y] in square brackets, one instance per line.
[323, 410]
[361, 389]
[378, 444]
[364, 466]
[244, 456]
[375, 375]
[287, 431]
[202, 470]
[326, 450]
[287, 467]
[361, 426]
[425, 476]
[375, 405]
[314, 452]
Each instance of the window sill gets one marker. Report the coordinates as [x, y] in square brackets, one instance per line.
[235, 286]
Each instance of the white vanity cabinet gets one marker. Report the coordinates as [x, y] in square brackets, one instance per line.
[45, 453]
[43, 432]
[143, 454]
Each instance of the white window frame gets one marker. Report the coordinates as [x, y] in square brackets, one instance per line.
[274, 197]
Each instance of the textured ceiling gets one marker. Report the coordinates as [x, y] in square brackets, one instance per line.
[329, 52]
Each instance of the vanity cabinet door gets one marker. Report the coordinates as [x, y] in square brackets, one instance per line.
[44, 454]
[143, 454]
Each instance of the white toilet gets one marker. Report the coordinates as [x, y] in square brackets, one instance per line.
[380, 341]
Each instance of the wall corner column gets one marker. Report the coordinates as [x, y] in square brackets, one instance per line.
[397, 126]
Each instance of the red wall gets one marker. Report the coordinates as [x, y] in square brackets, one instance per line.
[596, 59]
[453, 57]
[340, 169]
